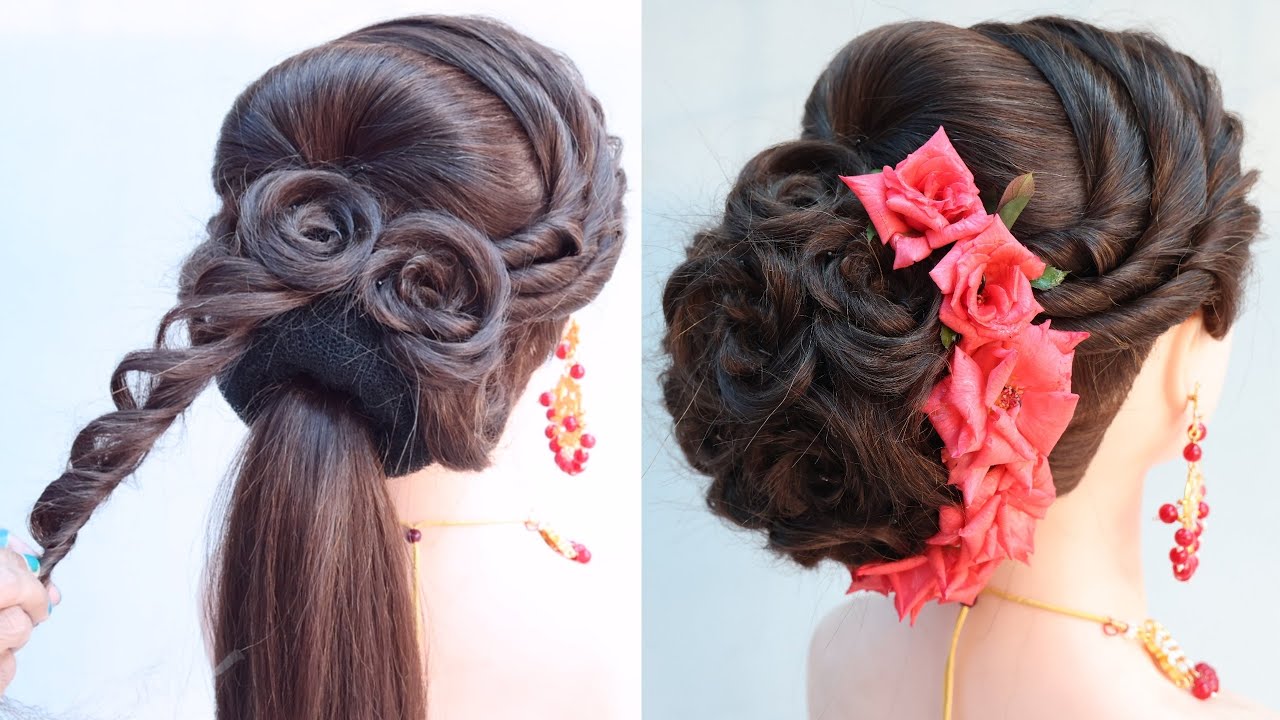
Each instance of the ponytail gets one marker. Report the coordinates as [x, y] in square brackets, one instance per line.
[311, 608]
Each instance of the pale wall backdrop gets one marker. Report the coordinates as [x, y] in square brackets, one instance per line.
[726, 624]
[108, 116]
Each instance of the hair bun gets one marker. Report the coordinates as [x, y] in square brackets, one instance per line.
[313, 230]
[800, 359]
[799, 362]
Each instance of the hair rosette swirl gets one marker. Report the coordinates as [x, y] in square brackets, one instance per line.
[312, 230]
[440, 284]
[426, 275]
[1007, 398]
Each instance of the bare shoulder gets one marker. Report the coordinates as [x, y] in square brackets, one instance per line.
[864, 663]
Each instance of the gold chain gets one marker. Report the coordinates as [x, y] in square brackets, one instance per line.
[1157, 641]
[1105, 620]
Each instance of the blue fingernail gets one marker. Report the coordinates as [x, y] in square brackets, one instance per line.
[4, 538]
[33, 562]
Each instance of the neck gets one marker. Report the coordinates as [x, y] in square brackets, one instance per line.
[437, 494]
[521, 475]
[1088, 547]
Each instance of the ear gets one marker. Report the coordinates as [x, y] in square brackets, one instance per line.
[1194, 356]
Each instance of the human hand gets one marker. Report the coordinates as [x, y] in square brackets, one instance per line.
[24, 602]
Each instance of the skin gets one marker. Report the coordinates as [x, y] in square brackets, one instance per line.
[1087, 557]
[24, 604]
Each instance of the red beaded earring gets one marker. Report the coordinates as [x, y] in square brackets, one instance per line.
[1191, 510]
[566, 433]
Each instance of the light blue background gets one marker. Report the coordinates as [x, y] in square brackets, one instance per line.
[727, 626]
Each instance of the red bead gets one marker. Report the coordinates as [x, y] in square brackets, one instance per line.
[1184, 571]
[581, 553]
[1199, 430]
[1208, 676]
[550, 431]
[562, 350]
[588, 440]
[570, 423]
[545, 399]
[1199, 529]
[1169, 512]
[1178, 555]
[575, 467]
[1184, 537]
[413, 535]
[1201, 690]
[577, 371]
[580, 455]
[554, 445]
[1203, 511]
[1192, 452]
[551, 414]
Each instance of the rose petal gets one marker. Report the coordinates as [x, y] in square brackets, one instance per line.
[1044, 416]
[979, 533]
[966, 228]
[950, 523]
[909, 249]
[956, 408]
[888, 568]
[870, 191]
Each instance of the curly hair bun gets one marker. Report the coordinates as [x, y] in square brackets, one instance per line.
[799, 360]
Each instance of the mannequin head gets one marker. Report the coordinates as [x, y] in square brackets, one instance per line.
[800, 360]
[451, 183]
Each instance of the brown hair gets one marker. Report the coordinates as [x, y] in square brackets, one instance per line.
[452, 180]
[799, 360]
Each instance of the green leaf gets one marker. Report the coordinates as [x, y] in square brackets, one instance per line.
[1051, 278]
[871, 234]
[949, 337]
[1015, 198]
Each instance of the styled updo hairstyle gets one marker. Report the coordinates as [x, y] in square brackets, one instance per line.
[446, 190]
[800, 360]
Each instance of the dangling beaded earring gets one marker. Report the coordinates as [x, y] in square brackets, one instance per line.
[1191, 510]
[566, 433]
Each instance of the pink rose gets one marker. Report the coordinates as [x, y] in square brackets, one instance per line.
[927, 201]
[999, 412]
[1008, 402]
[1003, 504]
[946, 571]
[986, 286]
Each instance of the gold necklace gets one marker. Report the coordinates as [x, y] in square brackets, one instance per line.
[1200, 679]
[563, 546]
